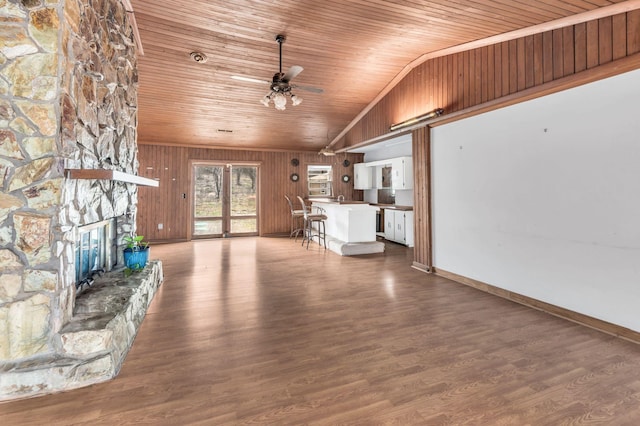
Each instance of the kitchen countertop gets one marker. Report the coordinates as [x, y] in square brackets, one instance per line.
[382, 206]
[394, 207]
[340, 202]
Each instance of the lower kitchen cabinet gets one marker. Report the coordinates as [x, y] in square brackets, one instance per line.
[398, 226]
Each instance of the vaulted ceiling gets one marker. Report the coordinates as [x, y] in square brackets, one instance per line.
[351, 49]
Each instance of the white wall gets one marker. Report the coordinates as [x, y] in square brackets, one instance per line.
[543, 199]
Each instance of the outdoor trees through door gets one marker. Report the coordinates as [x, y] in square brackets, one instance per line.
[225, 199]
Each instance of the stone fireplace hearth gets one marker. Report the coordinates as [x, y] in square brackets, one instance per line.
[68, 100]
[94, 343]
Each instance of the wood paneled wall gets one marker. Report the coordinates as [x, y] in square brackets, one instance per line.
[169, 203]
[454, 82]
[480, 76]
[422, 251]
[462, 80]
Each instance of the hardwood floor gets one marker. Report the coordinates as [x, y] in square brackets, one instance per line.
[262, 331]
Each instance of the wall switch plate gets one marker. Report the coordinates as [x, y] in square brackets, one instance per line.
[160, 226]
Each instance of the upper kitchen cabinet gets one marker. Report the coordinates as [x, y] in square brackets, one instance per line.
[363, 176]
[384, 176]
[402, 171]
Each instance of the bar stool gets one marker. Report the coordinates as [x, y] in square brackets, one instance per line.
[296, 215]
[309, 220]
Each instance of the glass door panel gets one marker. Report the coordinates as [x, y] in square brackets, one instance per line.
[244, 226]
[208, 200]
[225, 200]
[244, 206]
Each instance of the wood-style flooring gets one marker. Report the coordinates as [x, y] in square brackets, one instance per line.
[262, 331]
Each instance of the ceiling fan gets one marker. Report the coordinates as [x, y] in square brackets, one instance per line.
[280, 85]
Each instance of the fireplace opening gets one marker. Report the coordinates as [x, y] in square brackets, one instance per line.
[96, 251]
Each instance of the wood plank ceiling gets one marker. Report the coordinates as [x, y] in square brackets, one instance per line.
[350, 48]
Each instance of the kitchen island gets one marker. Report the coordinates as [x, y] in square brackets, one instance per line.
[350, 227]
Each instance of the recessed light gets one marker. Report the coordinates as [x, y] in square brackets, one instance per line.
[198, 57]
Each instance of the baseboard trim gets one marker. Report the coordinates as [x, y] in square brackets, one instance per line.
[597, 324]
[276, 235]
[168, 241]
[421, 267]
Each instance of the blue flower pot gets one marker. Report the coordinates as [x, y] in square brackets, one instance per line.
[136, 259]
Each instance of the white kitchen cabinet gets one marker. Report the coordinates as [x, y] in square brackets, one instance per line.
[362, 176]
[402, 170]
[389, 224]
[398, 226]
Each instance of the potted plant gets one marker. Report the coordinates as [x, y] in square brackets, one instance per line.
[136, 253]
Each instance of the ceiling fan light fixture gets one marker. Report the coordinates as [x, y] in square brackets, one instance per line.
[295, 100]
[280, 84]
[279, 101]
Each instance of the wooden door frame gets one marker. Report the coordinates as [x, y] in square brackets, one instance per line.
[422, 199]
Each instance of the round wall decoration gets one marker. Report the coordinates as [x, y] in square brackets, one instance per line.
[295, 162]
[346, 178]
[346, 163]
[294, 177]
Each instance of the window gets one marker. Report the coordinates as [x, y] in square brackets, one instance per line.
[319, 181]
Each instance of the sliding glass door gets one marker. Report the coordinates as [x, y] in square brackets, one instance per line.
[243, 216]
[225, 199]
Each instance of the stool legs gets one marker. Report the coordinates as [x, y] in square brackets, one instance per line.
[322, 234]
[295, 226]
[308, 234]
[305, 231]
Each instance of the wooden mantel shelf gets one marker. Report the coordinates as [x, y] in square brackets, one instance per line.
[109, 175]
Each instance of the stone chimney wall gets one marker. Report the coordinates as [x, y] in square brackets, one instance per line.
[68, 98]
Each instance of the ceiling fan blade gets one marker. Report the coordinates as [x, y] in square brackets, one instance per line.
[309, 89]
[249, 79]
[292, 73]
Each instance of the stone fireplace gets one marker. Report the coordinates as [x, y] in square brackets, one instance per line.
[68, 100]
